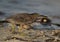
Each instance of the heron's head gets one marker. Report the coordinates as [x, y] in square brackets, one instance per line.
[43, 20]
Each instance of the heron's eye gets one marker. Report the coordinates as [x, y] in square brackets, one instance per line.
[44, 20]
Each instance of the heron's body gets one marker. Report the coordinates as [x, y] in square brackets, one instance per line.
[24, 20]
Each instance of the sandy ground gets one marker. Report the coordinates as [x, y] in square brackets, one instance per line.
[29, 35]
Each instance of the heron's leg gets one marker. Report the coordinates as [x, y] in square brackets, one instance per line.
[20, 28]
[12, 27]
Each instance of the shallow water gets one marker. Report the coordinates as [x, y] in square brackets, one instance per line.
[45, 7]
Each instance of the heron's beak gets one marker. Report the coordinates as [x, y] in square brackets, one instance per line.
[56, 24]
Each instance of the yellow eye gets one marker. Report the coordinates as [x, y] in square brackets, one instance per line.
[44, 20]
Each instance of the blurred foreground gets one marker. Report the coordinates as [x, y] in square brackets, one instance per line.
[29, 35]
